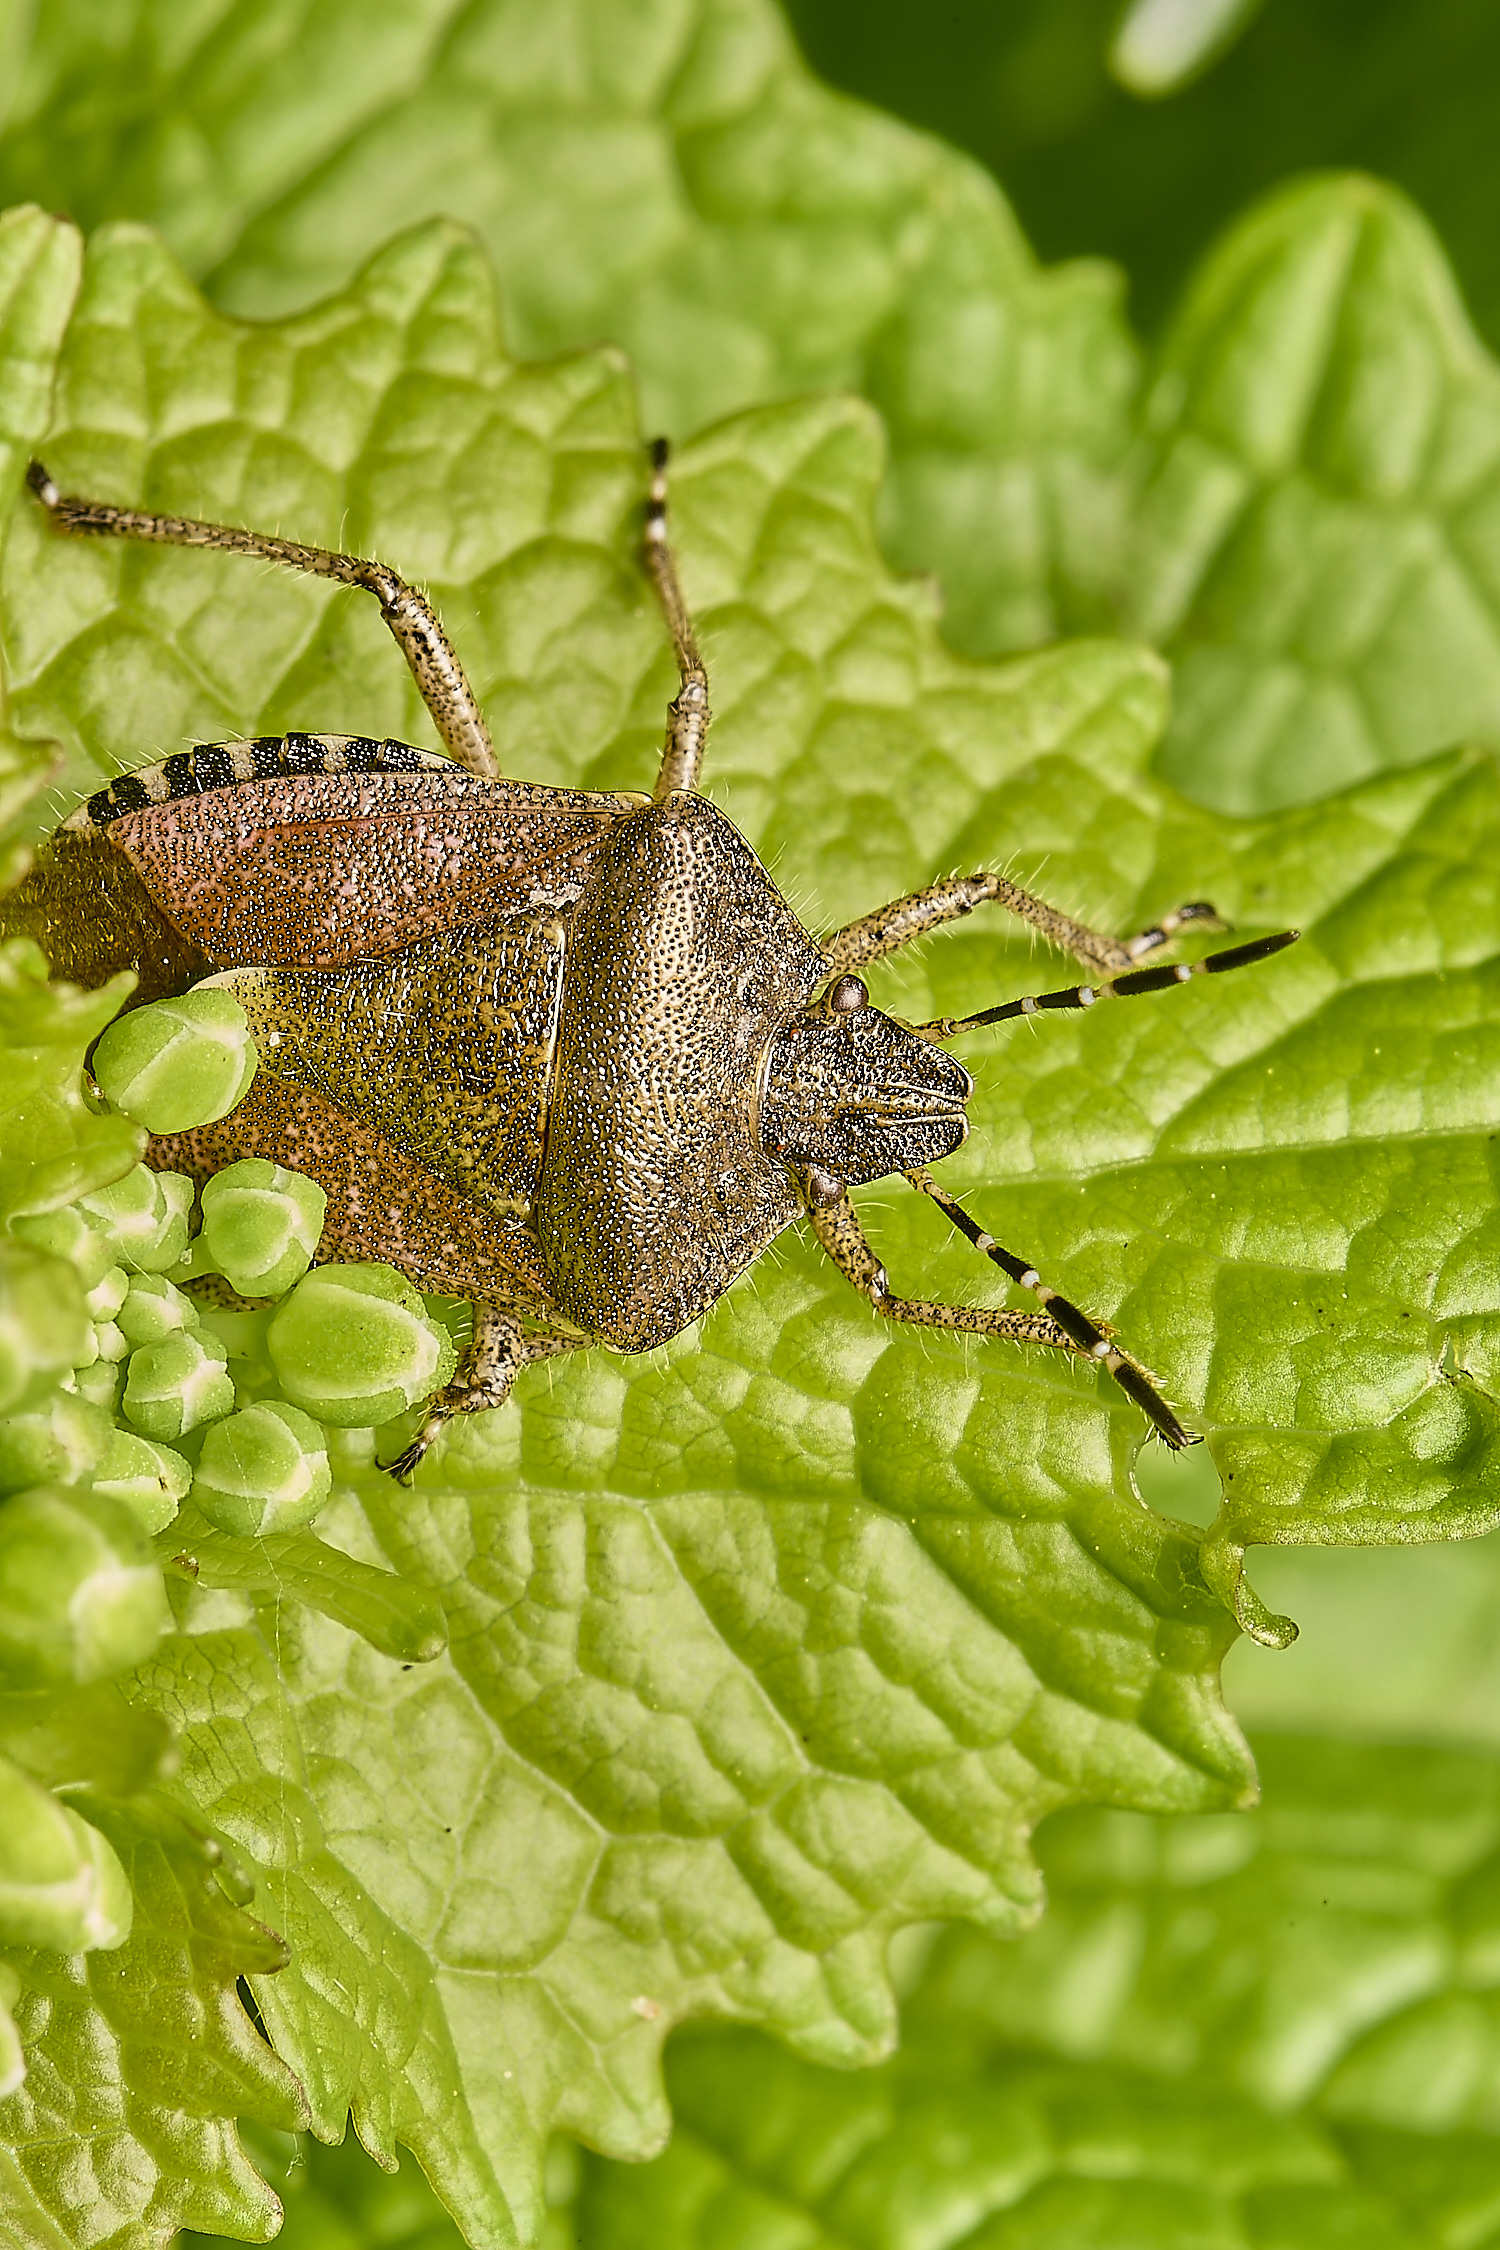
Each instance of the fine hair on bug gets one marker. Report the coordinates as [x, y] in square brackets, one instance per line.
[568, 1054]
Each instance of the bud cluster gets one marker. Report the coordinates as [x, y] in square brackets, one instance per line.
[128, 1386]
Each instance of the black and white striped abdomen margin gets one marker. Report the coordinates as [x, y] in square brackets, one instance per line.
[220, 765]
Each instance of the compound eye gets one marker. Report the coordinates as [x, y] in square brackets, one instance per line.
[823, 1186]
[848, 996]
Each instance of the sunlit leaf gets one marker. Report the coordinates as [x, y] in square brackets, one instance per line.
[785, 1637]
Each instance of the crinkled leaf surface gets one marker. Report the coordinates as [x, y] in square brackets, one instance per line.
[1273, 2029]
[786, 1636]
[668, 176]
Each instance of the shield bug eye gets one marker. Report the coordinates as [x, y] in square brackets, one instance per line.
[823, 1187]
[848, 996]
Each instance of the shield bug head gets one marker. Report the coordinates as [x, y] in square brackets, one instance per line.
[852, 1094]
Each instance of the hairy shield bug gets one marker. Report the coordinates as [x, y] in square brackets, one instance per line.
[567, 1054]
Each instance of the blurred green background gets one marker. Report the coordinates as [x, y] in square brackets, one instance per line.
[1405, 88]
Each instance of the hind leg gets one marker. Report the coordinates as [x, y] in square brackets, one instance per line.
[500, 1348]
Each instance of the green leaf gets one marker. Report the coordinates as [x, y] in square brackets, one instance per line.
[1299, 1954]
[1274, 2028]
[787, 1636]
[668, 176]
[1330, 1956]
[142, 2058]
[339, 2199]
[678, 183]
[1401, 92]
[773, 2154]
[39, 261]
[1267, 2029]
[1315, 542]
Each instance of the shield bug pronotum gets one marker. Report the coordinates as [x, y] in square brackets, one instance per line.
[567, 1054]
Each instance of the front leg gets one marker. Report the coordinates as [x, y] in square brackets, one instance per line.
[838, 1229]
[890, 927]
[1062, 1326]
[499, 1348]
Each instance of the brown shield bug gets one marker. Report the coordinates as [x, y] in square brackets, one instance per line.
[567, 1054]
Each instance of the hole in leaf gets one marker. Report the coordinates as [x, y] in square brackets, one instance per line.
[1182, 1485]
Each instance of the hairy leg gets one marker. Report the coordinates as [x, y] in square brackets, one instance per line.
[687, 718]
[498, 1351]
[904, 919]
[421, 639]
[1060, 1324]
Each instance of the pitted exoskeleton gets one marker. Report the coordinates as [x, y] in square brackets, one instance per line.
[567, 1053]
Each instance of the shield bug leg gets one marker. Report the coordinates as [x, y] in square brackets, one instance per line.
[411, 618]
[875, 935]
[498, 1351]
[1128, 987]
[1087, 1336]
[1162, 933]
[1060, 1326]
[687, 718]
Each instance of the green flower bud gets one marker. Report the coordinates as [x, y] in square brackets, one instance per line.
[354, 1345]
[176, 1064]
[108, 1294]
[175, 1385]
[80, 1593]
[70, 1234]
[58, 1442]
[264, 1469]
[150, 1480]
[61, 1885]
[144, 1216]
[261, 1225]
[110, 1341]
[99, 1383]
[154, 1307]
[44, 1324]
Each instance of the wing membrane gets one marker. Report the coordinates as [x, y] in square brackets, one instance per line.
[314, 871]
